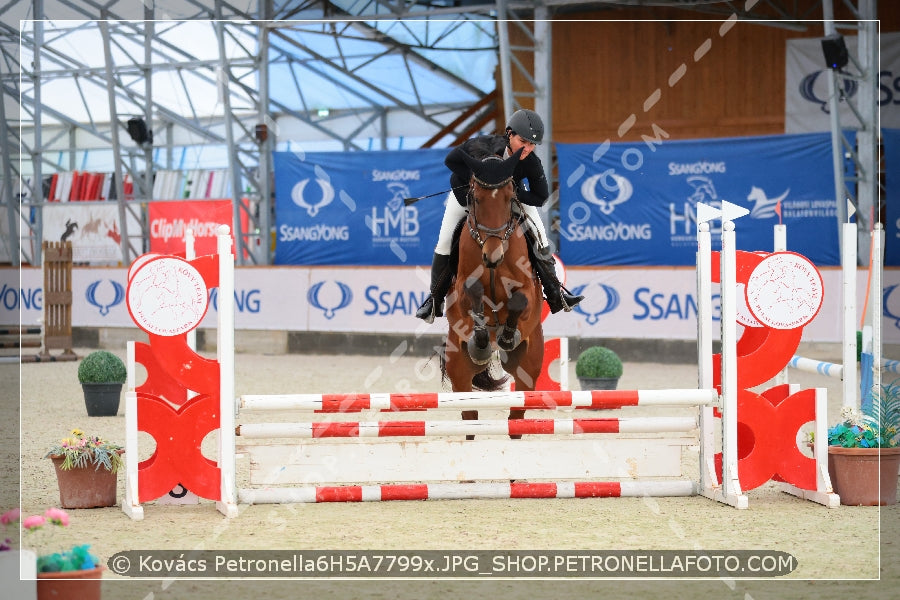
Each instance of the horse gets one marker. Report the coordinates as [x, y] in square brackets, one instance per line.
[495, 301]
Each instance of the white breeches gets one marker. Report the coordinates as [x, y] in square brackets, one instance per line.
[454, 213]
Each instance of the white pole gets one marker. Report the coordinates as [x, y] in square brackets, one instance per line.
[731, 485]
[704, 357]
[564, 364]
[848, 274]
[779, 244]
[190, 254]
[875, 303]
[227, 505]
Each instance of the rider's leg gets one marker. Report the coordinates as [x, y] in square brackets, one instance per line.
[558, 297]
[440, 279]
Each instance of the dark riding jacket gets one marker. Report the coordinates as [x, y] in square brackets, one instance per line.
[529, 169]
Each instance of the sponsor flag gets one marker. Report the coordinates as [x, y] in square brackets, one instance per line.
[346, 208]
[635, 203]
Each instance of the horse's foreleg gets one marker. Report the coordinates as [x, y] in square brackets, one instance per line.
[509, 336]
[479, 343]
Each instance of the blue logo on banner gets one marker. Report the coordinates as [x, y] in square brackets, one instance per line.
[343, 301]
[818, 94]
[300, 200]
[595, 299]
[118, 295]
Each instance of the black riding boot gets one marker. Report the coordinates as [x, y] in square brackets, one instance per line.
[558, 297]
[433, 306]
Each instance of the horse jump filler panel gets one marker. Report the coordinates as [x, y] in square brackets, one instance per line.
[566, 456]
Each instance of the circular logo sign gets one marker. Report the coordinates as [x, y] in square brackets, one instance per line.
[785, 291]
[744, 315]
[167, 296]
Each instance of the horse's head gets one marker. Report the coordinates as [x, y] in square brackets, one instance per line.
[491, 221]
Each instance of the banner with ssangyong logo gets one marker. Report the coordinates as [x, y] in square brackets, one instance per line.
[169, 222]
[346, 208]
[622, 302]
[891, 139]
[635, 203]
[806, 85]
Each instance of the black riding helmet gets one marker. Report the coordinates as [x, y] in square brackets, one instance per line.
[527, 124]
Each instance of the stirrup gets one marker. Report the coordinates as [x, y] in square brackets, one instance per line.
[426, 311]
[568, 300]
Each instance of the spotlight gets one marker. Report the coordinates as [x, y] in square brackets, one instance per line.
[137, 129]
[835, 51]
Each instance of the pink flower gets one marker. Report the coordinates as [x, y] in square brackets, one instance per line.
[10, 516]
[34, 522]
[57, 516]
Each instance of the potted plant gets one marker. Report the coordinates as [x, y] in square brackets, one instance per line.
[864, 452]
[102, 374]
[68, 574]
[86, 468]
[598, 368]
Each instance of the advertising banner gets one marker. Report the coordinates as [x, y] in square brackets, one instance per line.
[806, 85]
[169, 222]
[891, 140]
[621, 302]
[92, 227]
[346, 208]
[635, 203]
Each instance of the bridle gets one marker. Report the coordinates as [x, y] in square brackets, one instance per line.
[504, 231]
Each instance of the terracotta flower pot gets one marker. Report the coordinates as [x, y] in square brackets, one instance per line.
[70, 585]
[85, 487]
[864, 476]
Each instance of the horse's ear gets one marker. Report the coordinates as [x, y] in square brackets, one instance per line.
[509, 165]
[472, 162]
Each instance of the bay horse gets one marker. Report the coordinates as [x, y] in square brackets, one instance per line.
[494, 305]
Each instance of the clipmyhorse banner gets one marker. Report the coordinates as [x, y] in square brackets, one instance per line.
[346, 208]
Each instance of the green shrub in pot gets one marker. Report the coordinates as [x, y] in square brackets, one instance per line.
[598, 367]
[102, 374]
[101, 366]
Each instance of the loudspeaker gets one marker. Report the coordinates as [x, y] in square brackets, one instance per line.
[835, 51]
[138, 131]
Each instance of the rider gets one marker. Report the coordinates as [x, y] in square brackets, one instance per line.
[523, 131]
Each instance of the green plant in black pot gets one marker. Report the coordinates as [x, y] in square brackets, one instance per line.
[102, 374]
[598, 368]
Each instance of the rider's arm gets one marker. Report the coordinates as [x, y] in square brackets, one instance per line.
[538, 188]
